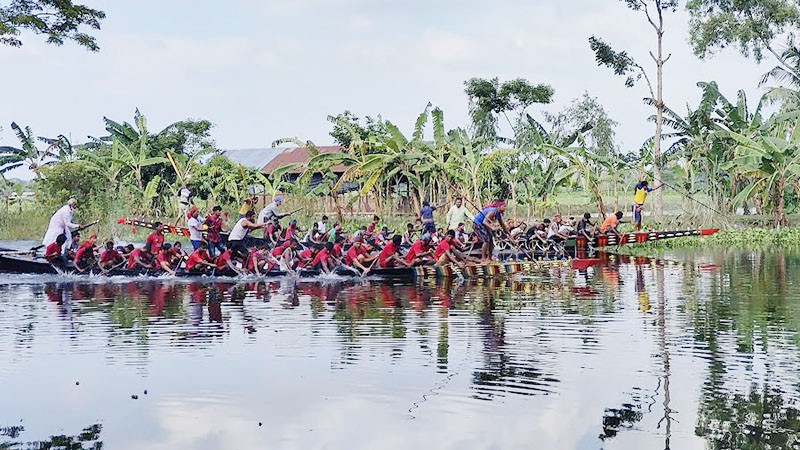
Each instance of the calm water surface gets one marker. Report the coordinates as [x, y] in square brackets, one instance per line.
[692, 351]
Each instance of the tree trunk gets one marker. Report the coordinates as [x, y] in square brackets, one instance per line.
[780, 211]
[657, 201]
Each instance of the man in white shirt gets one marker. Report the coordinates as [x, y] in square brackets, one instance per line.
[322, 225]
[195, 225]
[61, 223]
[458, 213]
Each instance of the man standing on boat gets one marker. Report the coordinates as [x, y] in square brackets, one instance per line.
[487, 221]
[270, 212]
[639, 196]
[61, 223]
[458, 213]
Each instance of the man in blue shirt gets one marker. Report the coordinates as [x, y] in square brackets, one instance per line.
[426, 217]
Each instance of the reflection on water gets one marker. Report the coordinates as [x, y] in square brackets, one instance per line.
[693, 351]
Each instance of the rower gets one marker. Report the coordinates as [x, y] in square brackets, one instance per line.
[322, 225]
[358, 256]
[312, 236]
[164, 259]
[484, 228]
[110, 257]
[373, 226]
[224, 262]
[291, 230]
[586, 228]
[61, 223]
[54, 252]
[141, 259]
[639, 196]
[390, 255]
[447, 253]
[258, 261]
[458, 213]
[239, 233]
[288, 256]
[156, 238]
[306, 256]
[73, 246]
[324, 260]
[555, 232]
[199, 261]
[421, 252]
[610, 224]
[408, 236]
[84, 256]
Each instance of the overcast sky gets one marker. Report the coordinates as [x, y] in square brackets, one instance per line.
[261, 70]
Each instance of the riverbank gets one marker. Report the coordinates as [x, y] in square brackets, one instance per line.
[754, 238]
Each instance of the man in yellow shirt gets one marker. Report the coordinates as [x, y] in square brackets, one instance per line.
[639, 196]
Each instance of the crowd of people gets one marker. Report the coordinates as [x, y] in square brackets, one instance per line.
[258, 243]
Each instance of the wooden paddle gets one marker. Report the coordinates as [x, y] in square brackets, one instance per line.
[113, 267]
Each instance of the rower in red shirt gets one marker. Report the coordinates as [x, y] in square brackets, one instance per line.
[199, 261]
[260, 261]
[447, 252]
[390, 256]
[420, 252]
[324, 261]
[53, 251]
[110, 257]
[306, 256]
[358, 256]
[225, 264]
[140, 259]
[156, 238]
[164, 259]
[84, 257]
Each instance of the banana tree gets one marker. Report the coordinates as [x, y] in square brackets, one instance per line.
[136, 158]
[106, 162]
[14, 157]
[770, 160]
[587, 167]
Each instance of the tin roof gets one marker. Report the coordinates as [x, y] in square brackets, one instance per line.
[254, 158]
[300, 155]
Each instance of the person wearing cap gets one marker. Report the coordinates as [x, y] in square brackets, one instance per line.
[270, 212]
[195, 225]
[61, 223]
[421, 252]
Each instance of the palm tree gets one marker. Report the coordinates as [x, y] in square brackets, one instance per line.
[14, 157]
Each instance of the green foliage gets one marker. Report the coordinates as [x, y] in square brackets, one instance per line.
[346, 124]
[59, 20]
[751, 25]
[620, 62]
[490, 98]
[14, 157]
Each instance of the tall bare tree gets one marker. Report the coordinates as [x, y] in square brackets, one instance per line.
[624, 64]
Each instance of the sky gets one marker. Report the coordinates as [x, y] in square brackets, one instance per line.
[262, 70]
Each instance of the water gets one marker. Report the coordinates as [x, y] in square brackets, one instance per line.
[693, 351]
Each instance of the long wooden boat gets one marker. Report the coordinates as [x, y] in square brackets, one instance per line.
[28, 264]
[579, 255]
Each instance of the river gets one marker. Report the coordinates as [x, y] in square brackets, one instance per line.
[695, 350]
